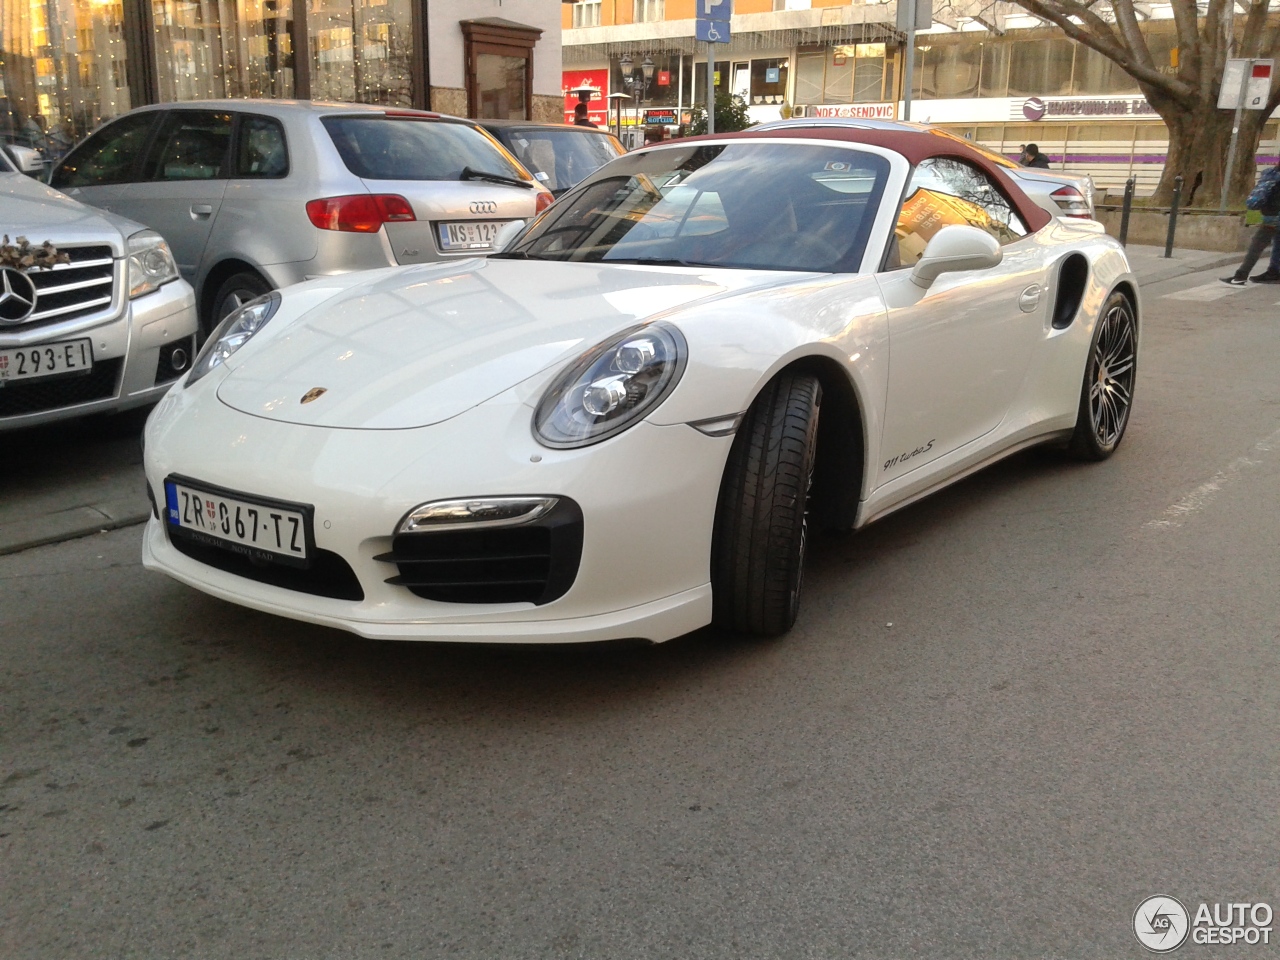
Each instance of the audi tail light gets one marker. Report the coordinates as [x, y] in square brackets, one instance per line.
[359, 213]
[1072, 202]
[545, 199]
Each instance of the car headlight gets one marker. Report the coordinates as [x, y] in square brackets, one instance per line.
[151, 265]
[233, 333]
[611, 386]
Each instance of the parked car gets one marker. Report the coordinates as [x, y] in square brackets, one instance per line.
[110, 329]
[258, 194]
[625, 424]
[558, 155]
[1060, 193]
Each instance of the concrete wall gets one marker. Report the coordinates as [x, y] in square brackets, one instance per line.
[1194, 231]
[447, 68]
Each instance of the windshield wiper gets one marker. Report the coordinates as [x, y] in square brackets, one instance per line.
[661, 262]
[470, 174]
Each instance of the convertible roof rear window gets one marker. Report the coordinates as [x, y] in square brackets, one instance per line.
[746, 204]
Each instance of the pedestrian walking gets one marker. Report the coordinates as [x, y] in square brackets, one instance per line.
[1032, 157]
[1265, 198]
[580, 118]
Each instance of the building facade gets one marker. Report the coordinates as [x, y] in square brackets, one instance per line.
[66, 66]
[1001, 79]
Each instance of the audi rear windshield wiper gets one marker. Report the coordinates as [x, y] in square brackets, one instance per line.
[470, 174]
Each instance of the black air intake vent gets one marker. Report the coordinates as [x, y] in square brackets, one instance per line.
[526, 563]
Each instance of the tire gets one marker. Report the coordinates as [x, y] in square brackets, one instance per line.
[761, 527]
[1106, 396]
[237, 289]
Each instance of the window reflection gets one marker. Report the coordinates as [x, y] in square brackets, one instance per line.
[362, 51]
[206, 49]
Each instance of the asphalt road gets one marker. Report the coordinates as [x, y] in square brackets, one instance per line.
[1008, 714]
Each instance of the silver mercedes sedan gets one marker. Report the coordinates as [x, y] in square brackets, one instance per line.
[258, 194]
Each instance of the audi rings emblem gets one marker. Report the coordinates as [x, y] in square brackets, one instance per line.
[17, 296]
[484, 206]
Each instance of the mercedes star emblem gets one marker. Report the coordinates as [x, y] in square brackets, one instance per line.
[17, 296]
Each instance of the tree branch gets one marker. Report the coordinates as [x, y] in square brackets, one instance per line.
[1132, 33]
[1105, 41]
[1189, 60]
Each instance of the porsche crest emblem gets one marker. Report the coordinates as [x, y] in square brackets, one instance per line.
[315, 393]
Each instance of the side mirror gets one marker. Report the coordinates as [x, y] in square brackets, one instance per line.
[956, 247]
[27, 160]
[506, 233]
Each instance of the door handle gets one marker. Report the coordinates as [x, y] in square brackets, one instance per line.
[201, 210]
[1029, 299]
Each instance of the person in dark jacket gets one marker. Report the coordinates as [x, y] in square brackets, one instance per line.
[580, 118]
[1265, 198]
[1032, 157]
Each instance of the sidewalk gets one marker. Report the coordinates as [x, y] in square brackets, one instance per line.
[1151, 266]
[70, 483]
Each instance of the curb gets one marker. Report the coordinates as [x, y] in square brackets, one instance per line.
[1177, 268]
[72, 523]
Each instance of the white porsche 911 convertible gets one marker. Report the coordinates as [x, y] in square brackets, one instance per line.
[625, 424]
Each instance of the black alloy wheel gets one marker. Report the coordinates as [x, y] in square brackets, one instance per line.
[762, 519]
[1106, 396]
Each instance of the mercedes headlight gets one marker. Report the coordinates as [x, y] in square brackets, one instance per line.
[151, 265]
[611, 386]
[233, 333]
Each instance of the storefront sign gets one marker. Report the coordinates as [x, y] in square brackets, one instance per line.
[664, 78]
[771, 75]
[598, 81]
[1116, 108]
[862, 111]
[660, 118]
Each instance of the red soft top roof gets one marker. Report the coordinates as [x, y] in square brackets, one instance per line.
[912, 144]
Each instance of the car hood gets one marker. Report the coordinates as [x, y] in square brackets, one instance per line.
[415, 346]
[33, 210]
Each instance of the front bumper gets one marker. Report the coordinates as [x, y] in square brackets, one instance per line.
[648, 500]
[127, 354]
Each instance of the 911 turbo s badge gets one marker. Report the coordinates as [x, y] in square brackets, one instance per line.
[315, 393]
[904, 457]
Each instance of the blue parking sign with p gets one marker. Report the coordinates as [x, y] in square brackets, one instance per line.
[715, 10]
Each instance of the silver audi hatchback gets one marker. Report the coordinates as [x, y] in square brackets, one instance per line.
[257, 194]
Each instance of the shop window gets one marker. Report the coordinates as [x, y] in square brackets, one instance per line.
[809, 75]
[943, 192]
[210, 49]
[838, 87]
[769, 81]
[648, 11]
[190, 145]
[499, 64]
[1040, 68]
[868, 73]
[700, 80]
[586, 13]
[1095, 74]
[362, 51]
[995, 70]
[48, 100]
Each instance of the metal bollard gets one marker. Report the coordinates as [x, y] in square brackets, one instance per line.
[1129, 186]
[1173, 217]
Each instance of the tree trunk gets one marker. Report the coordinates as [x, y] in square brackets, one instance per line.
[1198, 145]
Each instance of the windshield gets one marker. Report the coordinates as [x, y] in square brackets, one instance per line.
[560, 158]
[749, 204]
[397, 148]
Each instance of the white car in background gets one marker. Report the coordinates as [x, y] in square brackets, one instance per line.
[625, 423]
[1056, 191]
[110, 330]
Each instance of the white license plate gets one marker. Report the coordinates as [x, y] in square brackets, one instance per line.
[469, 236]
[255, 528]
[46, 360]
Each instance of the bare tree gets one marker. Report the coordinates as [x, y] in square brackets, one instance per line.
[1187, 100]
